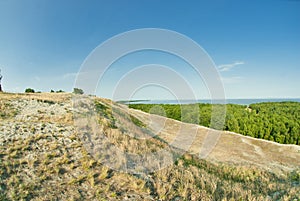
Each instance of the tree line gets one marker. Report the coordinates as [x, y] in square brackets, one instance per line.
[274, 121]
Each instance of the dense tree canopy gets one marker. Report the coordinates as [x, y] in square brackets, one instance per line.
[274, 121]
[29, 90]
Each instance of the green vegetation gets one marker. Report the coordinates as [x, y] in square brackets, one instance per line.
[106, 112]
[29, 90]
[278, 122]
[78, 91]
[137, 122]
[59, 91]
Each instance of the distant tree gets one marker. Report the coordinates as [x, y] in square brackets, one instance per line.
[78, 91]
[59, 91]
[52, 91]
[29, 90]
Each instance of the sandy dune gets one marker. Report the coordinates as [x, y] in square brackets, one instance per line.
[223, 146]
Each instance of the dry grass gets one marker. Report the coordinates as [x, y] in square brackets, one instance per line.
[6, 110]
[49, 162]
[194, 179]
[56, 97]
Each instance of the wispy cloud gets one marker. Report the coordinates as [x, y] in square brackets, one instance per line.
[227, 67]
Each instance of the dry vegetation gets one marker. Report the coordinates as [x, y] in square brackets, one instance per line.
[44, 157]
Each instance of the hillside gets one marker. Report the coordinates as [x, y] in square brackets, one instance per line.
[60, 147]
[231, 147]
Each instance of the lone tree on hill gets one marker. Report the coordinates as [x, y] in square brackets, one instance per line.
[29, 90]
[0, 81]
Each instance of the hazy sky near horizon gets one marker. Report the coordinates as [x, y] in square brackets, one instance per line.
[255, 45]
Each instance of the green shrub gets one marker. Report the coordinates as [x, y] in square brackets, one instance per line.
[29, 90]
[78, 91]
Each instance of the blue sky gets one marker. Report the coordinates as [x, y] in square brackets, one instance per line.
[254, 44]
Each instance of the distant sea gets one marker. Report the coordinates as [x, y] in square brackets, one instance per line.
[227, 101]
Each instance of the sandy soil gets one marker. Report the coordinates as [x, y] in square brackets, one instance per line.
[223, 146]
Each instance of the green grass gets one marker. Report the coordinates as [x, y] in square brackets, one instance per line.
[106, 112]
[137, 122]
